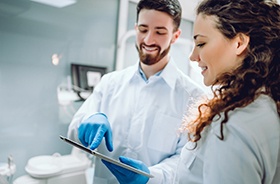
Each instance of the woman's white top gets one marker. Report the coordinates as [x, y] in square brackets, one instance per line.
[249, 153]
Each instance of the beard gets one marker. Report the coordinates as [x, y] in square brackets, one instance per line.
[149, 59]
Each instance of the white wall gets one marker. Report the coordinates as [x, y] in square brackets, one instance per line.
[31, 117]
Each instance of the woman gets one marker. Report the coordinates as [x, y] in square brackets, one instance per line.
[235, 138]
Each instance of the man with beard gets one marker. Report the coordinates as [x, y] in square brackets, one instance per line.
[138, 110]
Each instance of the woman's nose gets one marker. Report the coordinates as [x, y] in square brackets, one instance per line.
[194, 56]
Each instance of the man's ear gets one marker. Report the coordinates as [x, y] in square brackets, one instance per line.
[242, 42]
[176, 35]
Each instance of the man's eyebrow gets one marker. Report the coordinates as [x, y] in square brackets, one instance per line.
[161, 27]
[142, 25]
[158, 27]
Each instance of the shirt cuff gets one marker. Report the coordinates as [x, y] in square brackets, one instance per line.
[89, 115]
[157, 179]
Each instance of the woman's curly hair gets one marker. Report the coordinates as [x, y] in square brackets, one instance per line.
[259, 72]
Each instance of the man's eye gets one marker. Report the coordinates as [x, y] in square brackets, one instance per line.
[161, 33]
[142, 30]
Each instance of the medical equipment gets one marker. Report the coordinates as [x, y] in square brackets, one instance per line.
[58, 169]
[85, 78]
[7, 171]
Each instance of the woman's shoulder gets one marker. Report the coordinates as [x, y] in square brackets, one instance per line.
[261, 109]
[258, 118]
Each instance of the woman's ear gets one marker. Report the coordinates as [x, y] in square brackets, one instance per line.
[242, 42]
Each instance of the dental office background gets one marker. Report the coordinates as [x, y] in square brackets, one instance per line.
[38, 43]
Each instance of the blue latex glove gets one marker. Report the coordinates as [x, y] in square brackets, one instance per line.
[125, 176]
[93, 129]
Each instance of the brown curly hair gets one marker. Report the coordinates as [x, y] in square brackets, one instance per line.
[259, 72]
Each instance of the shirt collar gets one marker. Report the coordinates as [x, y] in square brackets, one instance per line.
[169, 74]
[144, 76]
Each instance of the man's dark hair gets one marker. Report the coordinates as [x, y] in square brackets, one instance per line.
[171, 7]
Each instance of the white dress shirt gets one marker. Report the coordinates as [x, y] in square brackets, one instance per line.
[144, 116]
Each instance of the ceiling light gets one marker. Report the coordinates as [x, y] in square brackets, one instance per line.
[56, 3]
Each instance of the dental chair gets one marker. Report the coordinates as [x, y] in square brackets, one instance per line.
[58, 169]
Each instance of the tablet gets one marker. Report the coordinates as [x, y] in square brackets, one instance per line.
[104, 157]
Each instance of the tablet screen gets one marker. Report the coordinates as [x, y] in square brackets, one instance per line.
[104, 157]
